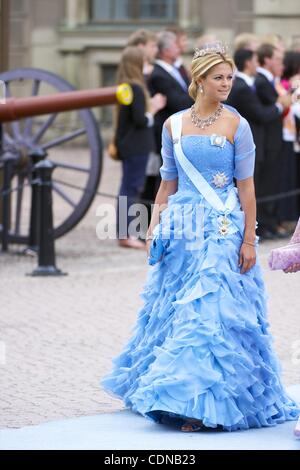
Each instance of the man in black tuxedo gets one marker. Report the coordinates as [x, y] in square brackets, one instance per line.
[182, 43]
[244, 98]
[167, 80]
[271, 67]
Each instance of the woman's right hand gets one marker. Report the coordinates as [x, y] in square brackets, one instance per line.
[157, 102]
[148, 243]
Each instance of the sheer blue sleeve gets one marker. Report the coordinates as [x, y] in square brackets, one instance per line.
[244, 151]
[168, 170]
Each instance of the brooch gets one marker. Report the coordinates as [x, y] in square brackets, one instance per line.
[224, 225]
[218, 140]
[220, 180]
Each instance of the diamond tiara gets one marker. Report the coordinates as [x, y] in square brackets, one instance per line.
[210, 48]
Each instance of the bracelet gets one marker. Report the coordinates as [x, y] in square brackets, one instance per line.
[249, 243]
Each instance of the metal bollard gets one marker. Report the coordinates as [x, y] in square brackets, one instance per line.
[8, 162]
[36, 155]
[46, 250]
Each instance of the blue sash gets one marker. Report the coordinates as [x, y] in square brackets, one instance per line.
[197, 179]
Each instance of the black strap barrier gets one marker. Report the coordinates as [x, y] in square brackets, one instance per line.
[41, 236]
[260, 200]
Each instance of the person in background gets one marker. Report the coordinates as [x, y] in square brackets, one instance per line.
[182, 43]
[243, 94]
[295, 267]
[134, 139]
[275, 40]
[205, 39]
[167, 80]
[145, 40]
[288, 208]
[271, 66]
[295, 45]
[246, 41]
[243, 97]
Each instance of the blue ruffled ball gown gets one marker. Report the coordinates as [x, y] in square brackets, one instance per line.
[201, 346]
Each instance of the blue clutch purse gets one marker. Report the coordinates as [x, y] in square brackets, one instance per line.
[157, 248]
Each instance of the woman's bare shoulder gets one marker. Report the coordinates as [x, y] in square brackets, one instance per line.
[232, 118]
[185, 116]
[167, 124]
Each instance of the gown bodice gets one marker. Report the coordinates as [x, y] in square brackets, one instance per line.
[217, 159]
[215, 163]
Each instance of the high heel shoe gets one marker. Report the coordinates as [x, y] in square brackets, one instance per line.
[192, 426]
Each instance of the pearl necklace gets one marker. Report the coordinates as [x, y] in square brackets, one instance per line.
[203, 123]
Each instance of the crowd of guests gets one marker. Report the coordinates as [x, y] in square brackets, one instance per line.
[266, 91]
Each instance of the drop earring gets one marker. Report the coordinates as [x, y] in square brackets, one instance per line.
[200, 88]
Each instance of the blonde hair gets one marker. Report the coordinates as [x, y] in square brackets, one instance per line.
[243, 40]
[130, 70]
[273, 39]
[201, 65]
[141, 36]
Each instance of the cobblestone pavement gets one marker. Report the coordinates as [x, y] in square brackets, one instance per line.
[59, 334]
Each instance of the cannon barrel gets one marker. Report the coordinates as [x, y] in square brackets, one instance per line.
[33, 138]
[17, 108]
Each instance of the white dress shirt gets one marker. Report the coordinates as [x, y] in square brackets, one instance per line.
[172, 70]
[249, 80]
[269, 76]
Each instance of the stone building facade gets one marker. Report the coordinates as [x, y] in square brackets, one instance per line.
[82, 39]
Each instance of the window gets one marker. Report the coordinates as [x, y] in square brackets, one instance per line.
[128, 10]
[17, 6]
[105, 10]
[157, 9]
[244, 6]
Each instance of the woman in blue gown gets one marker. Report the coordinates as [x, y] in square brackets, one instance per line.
[201, 352]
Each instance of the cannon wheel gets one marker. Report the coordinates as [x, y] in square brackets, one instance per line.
[48, 133]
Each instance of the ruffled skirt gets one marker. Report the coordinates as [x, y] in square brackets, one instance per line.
[201, 346]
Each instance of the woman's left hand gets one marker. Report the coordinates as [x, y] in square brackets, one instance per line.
[247, 258]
